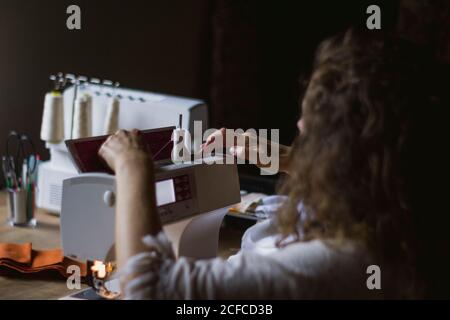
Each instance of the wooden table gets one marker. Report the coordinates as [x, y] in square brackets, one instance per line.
[46, 236]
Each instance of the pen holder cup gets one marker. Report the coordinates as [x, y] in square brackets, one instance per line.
[21, 208]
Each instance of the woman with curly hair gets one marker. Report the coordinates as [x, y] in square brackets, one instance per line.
[363, 189]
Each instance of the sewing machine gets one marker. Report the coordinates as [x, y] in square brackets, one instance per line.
[138, 109]
[192, 200]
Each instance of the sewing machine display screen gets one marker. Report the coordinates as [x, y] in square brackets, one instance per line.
[173, 190]
[165, 192]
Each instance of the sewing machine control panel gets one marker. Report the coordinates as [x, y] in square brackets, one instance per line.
[175, 197]
[182, 188]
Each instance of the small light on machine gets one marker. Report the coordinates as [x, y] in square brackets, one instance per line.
[100, 272]
[99, 269]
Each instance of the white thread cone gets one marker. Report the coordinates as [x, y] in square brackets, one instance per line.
[112, 117]
[52, 126]
[82, 117]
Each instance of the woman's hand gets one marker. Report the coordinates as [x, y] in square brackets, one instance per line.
[245, 143]
[125, 149]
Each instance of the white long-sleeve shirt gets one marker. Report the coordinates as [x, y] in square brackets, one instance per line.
[302, 270]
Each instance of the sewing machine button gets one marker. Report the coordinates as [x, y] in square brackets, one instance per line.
[109, 198]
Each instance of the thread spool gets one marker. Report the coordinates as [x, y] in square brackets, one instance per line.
[181, 151]
[82, 122]
[112, 117]
[52, 126]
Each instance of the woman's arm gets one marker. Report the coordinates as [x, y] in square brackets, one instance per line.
[299, 271]
[136, 214]
[240, 147]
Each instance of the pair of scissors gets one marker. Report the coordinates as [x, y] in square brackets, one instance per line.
[19, 149]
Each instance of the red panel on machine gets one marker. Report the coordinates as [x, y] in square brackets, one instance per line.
[84, 151]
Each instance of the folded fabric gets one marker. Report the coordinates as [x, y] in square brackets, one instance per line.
[23, 259]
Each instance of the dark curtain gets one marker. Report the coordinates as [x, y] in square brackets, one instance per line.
[261, 50]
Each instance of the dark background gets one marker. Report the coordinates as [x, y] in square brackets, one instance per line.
[243, 57]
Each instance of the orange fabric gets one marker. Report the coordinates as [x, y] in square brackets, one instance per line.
[22, 258]
[17, 252]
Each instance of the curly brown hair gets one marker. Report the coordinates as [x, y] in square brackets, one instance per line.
[373, 124]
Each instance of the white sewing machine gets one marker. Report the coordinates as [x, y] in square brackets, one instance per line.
[192, 200]
[138, 109]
